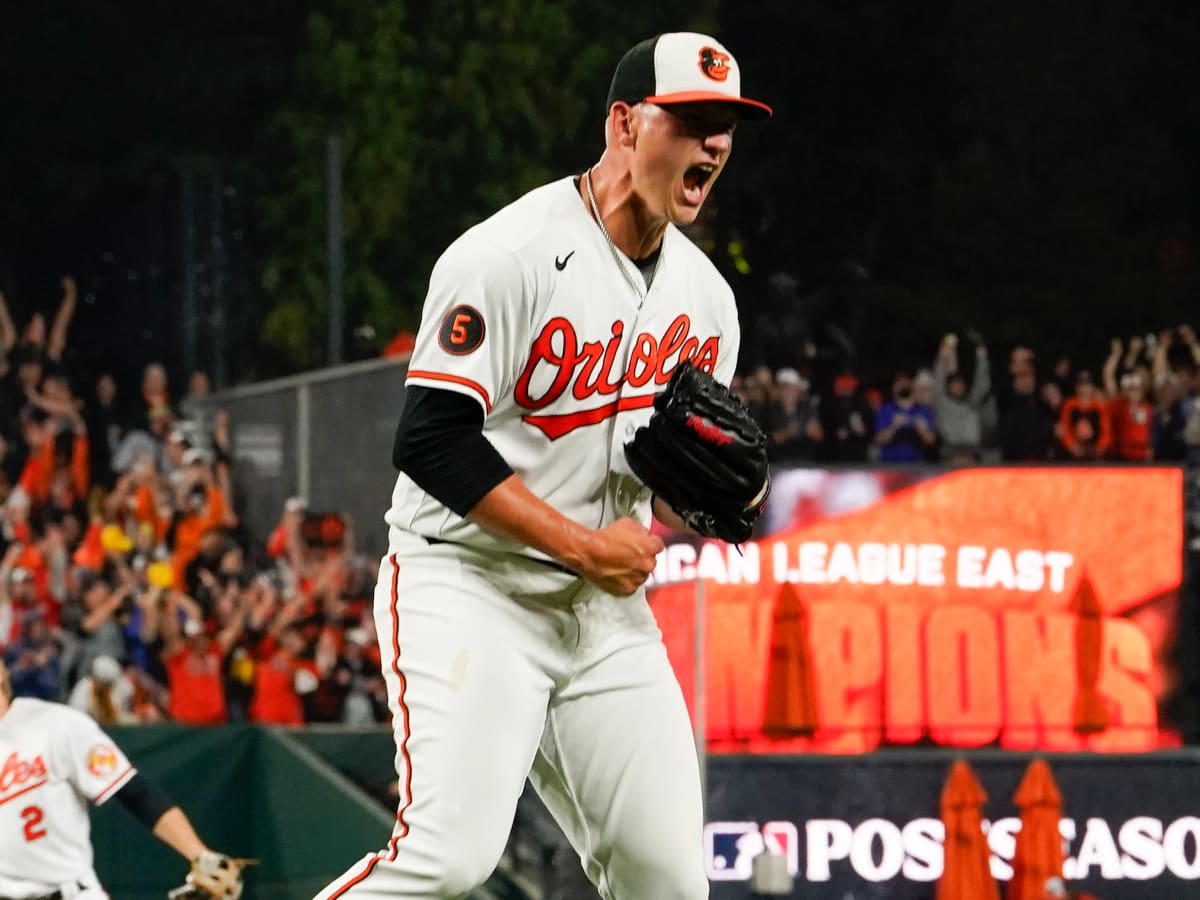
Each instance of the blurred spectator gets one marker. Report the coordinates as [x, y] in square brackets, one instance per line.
[141, 499]
[1021, 359]
[846, 421]
[959, 414]
[141, 629]
[281, 673]
[56, 342]
[8, 334]
[58, 451]
[1131, 415]
[193, 407]
[922, 388]
[20, 599]
[144, 441]
[154, 401]
[202, 578]
[904, 429]
[15, 525]
[34, 662]
[755, 397]
[105, 426]
[765, 376]
[1137, 359]
[1177, 349]
[92, 623]
[1191, 426]
[1063, 375]
[106, 693]
[286, 542]
[792, 419]
[737, 387]
[1169, 421]
[177, 451]
[200, 506]
[351, 687]
[364, 343]
[50, 563]
[204, 428]
[1086, 430]
[39, 351]
[1052, 397]
[195, 662]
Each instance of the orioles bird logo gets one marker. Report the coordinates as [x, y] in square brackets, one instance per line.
[102, 760]
[714, 63]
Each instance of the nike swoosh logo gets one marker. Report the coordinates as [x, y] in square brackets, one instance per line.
[561, 264]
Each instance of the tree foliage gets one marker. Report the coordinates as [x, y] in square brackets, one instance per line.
[446, 112]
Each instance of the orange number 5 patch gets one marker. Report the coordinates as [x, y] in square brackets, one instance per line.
[462, 331]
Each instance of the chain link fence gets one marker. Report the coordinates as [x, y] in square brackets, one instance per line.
[325, 436]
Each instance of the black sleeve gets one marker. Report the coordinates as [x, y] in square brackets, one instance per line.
[440, 445]
[145, 799]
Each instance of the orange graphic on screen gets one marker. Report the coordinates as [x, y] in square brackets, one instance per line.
[1022, 608]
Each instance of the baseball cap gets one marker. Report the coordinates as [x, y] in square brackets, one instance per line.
[845, 383]
[105, 669]
[681, 67]
[193, 456]
[790, 376]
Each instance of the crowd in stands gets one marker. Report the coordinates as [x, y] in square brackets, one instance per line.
[129, 588]
[1139, 403]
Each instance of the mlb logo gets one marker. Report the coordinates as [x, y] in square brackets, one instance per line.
[730, 847]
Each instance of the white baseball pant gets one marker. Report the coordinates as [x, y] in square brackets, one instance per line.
[497, 669]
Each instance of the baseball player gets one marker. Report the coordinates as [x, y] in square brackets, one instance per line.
[517, 641]
[54, 760]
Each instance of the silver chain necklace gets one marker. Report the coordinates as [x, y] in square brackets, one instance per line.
[618, 256]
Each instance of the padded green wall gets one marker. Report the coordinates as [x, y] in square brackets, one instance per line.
[250, 792]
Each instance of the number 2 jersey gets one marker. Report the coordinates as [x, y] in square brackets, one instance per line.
[531, 314]
[54, 761]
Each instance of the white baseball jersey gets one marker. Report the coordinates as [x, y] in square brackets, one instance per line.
[54, 760]
[530, 314]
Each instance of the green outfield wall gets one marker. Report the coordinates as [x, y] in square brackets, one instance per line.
[301, 801]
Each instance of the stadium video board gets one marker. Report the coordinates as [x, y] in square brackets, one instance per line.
[1022, 608]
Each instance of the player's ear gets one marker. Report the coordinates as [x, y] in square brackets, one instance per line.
[622, 124]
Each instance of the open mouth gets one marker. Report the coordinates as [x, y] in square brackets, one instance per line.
[694, 180]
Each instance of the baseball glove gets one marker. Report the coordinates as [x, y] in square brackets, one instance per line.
[213, 876]
[704, 455]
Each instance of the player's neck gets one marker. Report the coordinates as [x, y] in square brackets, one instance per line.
[630, 226]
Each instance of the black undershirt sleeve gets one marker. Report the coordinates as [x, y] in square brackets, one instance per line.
[440, 446]
[145, 799]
